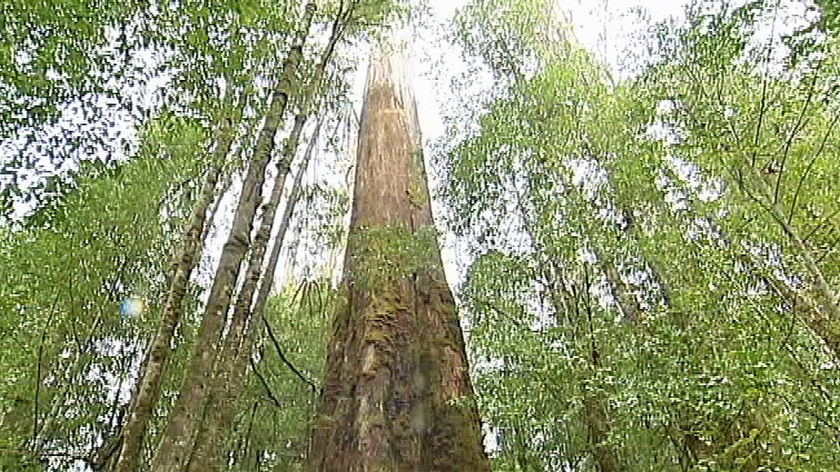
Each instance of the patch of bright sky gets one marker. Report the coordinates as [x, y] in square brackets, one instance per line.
[605, 27]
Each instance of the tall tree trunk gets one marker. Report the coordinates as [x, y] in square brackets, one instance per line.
[147, 396]
[220, 407]
[397, 393]
[231, 361]
[179, 436]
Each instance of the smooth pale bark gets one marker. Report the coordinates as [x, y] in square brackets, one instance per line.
[172, 311]
[294, 196]
[397, 394]
[231, 361]
[210, 452]
[179, 436]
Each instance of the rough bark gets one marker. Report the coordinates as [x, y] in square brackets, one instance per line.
[397, 395]
[172, 311]
[220, 407]
[180, 434]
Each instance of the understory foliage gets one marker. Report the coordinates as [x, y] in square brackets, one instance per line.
[655, 273]
[69, 356]
[282, 395]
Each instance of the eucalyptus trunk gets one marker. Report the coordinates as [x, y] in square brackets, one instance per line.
[228, 386]
[397, 393]
[178, 439]
[231, 361]
[148, 394]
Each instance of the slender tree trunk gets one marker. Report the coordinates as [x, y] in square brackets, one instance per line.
[172, 311]
[595, 407]
[231, 361]
[179, 436]
[219, 410]
[597, 427]
[397, 394]
[274, 257]
[830, 301]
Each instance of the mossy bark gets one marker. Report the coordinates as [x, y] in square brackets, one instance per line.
[397, 395]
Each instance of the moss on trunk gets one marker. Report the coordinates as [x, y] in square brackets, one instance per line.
[397, 396]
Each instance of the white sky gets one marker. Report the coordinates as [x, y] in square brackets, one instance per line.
[601, 26]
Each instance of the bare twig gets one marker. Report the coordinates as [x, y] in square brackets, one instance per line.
[299, 374]
[38, 367]
[793, 133]
[265, 384]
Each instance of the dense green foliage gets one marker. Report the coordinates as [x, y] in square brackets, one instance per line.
[281, 401]
[108, 116]
[70, 356]
[655, 275]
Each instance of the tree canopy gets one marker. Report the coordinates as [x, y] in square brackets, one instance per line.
[647, 263]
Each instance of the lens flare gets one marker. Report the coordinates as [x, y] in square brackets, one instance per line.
[131, 307]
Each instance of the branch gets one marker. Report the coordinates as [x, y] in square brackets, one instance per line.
[312, 385]
[811, 165]
[819, 225]
[793, 133]
[763, 105]
[265, 384]
[829, 250]
[831, 302]
[38, 368]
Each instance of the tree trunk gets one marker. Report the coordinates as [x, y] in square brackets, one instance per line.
[172, 311]
[231, 361]
[179, 436]
[397, 394]
[220, 407]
